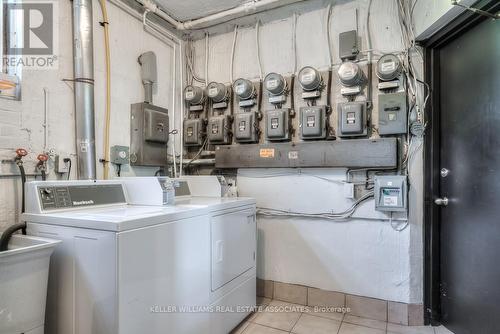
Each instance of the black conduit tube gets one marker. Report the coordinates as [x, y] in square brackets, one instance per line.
[23, 181]
[7, 234]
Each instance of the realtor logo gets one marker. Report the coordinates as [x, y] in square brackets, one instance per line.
[31, 31]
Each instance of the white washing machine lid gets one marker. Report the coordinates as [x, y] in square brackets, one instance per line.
[120, 218]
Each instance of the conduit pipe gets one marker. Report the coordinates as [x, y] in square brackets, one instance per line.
[83, 54]
[249, 8]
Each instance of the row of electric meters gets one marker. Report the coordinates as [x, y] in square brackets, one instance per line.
[222, 125]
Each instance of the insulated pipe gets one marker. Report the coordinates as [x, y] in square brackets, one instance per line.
[83, 54]
[249, 8]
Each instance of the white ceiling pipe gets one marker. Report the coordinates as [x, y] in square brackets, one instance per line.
[245, 9]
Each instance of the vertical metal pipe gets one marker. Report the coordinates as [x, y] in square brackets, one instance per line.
[83, 54]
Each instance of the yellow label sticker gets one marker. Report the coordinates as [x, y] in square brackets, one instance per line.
[267, 152]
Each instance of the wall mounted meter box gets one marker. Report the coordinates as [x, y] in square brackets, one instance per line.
[390, 193]
[149, 132]
[351, 77]
[219, 94]
[352, 119]
[313, 122]
[194, 97]
[277, 88]
[278, 127]
[194, 130]
[348, 45]
[245, 127]
[219, 129]
[389, 70]
[393, 113]
[311, 81]
[245, 92]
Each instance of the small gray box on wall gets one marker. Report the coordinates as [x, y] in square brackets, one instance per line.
[390, 193]
[352, 119]
[149, 131]
[193, 132]
[219, 129]
[312, 122]
[244, 127]
[278, 124]
[393, 113]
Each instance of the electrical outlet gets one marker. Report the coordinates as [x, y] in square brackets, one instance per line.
[61, 166]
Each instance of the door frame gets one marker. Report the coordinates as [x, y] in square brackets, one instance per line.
[432, 45]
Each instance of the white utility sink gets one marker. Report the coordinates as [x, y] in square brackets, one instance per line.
[24, 270]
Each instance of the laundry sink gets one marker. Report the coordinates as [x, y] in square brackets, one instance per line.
[24, 270]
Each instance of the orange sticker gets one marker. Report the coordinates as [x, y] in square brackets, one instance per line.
[267, 152]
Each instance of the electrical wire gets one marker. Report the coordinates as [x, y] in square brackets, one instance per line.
[107, 118]
[328, 37]
[294, 42]
[257, 45]
[203, 146]
[206, 57]
[335, 216]
[233, 50]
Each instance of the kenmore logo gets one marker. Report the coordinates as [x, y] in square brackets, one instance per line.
[76, 203]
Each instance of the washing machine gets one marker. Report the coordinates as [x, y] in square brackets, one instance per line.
[126, 268]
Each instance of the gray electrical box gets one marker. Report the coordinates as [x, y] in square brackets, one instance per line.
[278, 124]
[348, 45]
[149, 133]
[120, 155]
[193, 132]
[393, 113]
[390, 193]
[352, 119]
[312, 122]
[244, 127]
[219, 129]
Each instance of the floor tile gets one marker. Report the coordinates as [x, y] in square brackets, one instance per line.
[258, 329]
[377, 324]
[318, 297]
[442, 330]
[397, 313]
[324, 313]
[265, 288]
[309, 324]
[279, 315]
[241, 327]
[290, 293]
[263, 301]
[367, 307]
[347, 328]
[393, 328]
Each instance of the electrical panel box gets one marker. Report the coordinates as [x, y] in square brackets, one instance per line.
[312, 122]
[193, 131]
[393, 113]
[352, 119]
[245, 130]
[219, 129]
[348, 45]
[120, 155]
[149, 132]
[278, 125]
[390, 193]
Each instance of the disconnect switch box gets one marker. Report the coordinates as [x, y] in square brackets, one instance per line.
[390, 193]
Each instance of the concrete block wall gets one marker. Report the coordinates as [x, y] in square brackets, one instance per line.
[21, 121]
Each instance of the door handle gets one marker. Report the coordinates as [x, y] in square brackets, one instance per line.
[441, 201]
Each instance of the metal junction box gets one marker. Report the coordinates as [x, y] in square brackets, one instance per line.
[149, 132]
[390, 193]
[312, 122]
[352, 119]
[393, 113]
[219, 129]
[245, 130]
[278, 125]
[193, 131]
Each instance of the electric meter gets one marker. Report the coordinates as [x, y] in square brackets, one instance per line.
[310, 78]
[194, 95]
[388, 67]
[350, 74]
[244, 89]
[275, 84]
[217, 92]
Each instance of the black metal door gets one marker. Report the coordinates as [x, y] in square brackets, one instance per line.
[470, 180]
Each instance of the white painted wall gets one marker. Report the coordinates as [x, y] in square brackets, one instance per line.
[362, 257]
[21, 122]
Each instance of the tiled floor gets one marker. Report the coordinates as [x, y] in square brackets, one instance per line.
[276, 317]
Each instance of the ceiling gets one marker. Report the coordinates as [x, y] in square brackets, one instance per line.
[184, 10]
